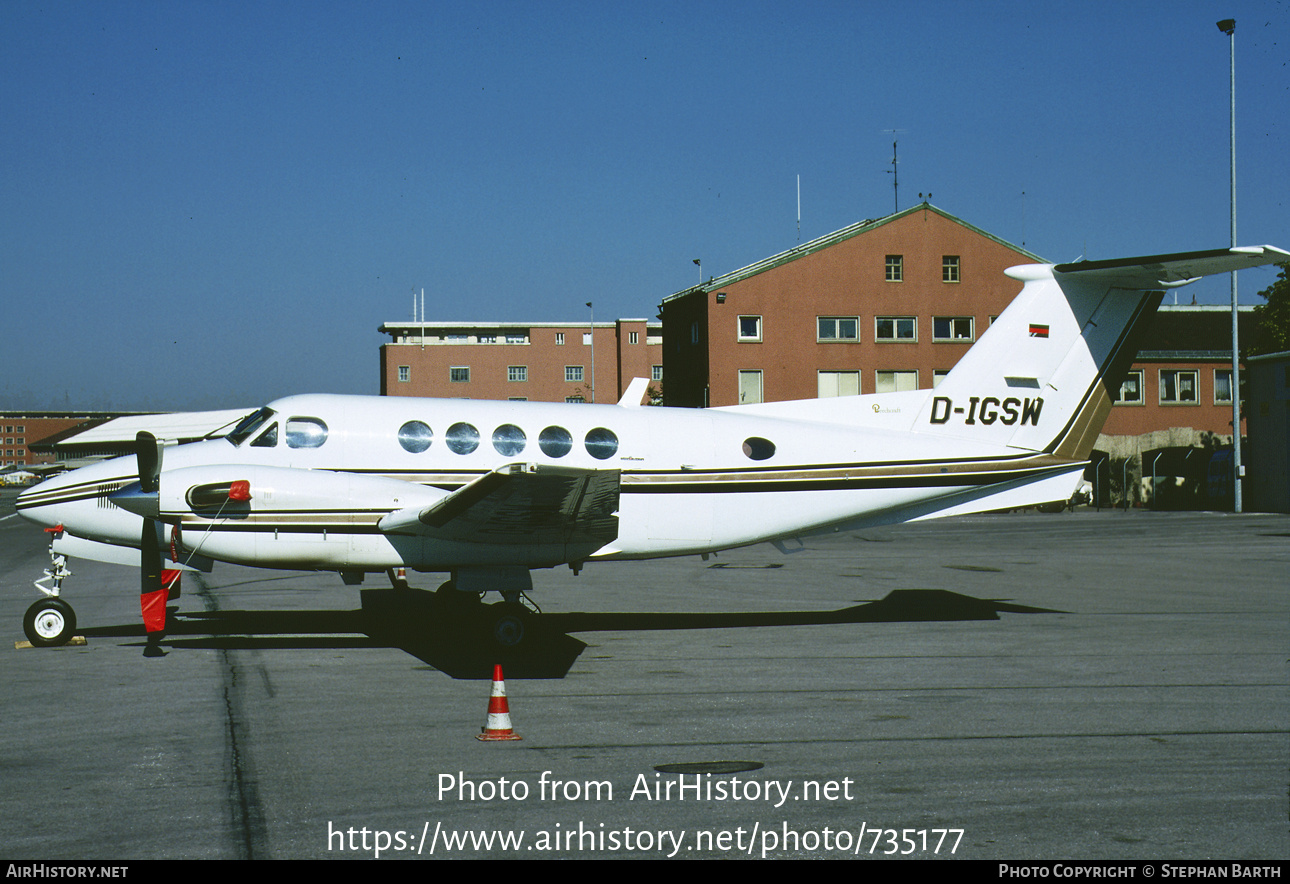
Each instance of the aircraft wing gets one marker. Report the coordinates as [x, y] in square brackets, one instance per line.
[1168, 271]
[520, 504]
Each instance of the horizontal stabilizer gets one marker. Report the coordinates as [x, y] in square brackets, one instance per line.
[1168, 271]
[520, 503]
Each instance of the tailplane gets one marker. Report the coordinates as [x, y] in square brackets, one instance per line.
[1044, 375]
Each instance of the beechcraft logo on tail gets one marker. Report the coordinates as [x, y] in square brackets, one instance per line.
[989, 409]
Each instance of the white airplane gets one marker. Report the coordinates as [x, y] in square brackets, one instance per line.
[489, 491]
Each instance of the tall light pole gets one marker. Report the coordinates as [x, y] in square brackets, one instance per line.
[1228, 26]
[592, 336]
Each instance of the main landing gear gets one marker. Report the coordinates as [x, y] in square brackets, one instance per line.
[504, 624]
[51, 621]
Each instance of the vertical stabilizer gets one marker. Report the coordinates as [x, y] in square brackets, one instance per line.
[1044, 375]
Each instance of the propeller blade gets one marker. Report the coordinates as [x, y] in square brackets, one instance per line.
[148, 452]
[150, 560]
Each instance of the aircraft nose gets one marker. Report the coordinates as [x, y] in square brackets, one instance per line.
[38, 504]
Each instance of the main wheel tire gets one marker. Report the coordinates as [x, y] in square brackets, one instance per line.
[49, 623]
[510, 623]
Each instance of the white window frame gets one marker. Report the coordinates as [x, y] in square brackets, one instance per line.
[750, 375]
[1177, 374]
[835, 381]
[895, 339]
[954, 321]
[1141, 399]
[573, 374]
[559, 339]
[895, 373]
[837, 337]
[459, 374]
[1223, 371]
[405, 374]
[950, 268]
[656, 372]
[517, 373]
[894, 268]
[739, 329]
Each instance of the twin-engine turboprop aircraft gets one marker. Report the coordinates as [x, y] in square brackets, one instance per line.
[491, 490]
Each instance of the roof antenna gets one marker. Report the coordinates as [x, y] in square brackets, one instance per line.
[894, 171]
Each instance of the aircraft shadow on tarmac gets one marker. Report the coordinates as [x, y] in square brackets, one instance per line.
[457, 639]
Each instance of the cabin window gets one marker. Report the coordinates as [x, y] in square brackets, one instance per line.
[601, 444]
[555, 441]
[267, 439]
[415, 437]
[757, 448]
[306, 432]
[508, 440]
[462, 438]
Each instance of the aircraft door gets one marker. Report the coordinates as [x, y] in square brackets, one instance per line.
[678, 499]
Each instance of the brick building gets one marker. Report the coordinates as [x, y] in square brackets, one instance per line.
[881, 305]
[892, 304]
[24, 431]
[546, 362]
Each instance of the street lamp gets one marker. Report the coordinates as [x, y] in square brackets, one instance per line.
[593, 352]
[1228, 26]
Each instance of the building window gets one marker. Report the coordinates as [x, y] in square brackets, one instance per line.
[750, 328]
[1177, 387]
[953, 328]
[656, 373]
[574, 399]
[487, 339]
[1130, 389]
[405, 373]
[694, 332]
[517, 372]
[586, 338]
[950, 268]
[459, 374]
[938, 375]
[633, 337]
[837, 328]
[559, 338]
[517, 339]
[895, 268]
[1222, 386]
[896, 328]
[896, 381]
[750, 387]
[573, 373]
[838, 383]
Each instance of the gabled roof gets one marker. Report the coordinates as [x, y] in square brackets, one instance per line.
[837, 236]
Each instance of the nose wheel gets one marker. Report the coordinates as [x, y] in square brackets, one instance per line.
[49, 623]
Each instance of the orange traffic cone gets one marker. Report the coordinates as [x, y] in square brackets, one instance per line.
[499, 713]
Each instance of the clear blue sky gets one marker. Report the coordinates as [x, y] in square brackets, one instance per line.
[211, 204]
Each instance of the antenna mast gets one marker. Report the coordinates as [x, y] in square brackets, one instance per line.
[895, 179]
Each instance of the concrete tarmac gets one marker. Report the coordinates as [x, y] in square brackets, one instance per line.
[1027, 686]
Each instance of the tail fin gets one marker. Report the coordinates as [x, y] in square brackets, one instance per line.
[1044, 375]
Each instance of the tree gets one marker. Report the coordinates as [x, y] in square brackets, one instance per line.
[1273, 318]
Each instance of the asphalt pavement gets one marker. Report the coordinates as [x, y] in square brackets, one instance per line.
[1029, 686]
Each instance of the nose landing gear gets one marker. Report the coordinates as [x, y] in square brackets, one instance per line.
[51, 621]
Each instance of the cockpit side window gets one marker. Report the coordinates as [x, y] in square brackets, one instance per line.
[306, 432]
[249, 425]
[267, 439]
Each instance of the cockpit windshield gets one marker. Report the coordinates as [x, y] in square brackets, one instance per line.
[249, 425]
